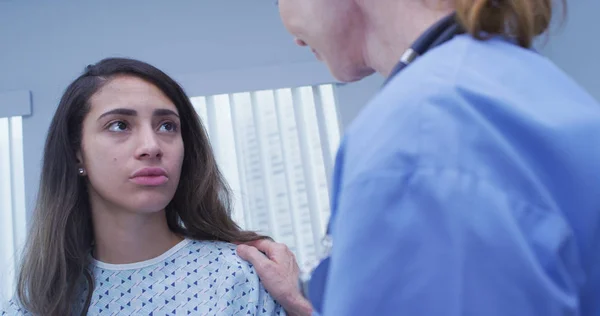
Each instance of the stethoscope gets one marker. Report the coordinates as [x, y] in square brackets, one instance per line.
[441, 32]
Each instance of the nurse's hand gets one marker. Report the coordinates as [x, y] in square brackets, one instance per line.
[278, 272]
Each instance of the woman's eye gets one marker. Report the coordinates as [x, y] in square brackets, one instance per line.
[168, 127]
[118, 126]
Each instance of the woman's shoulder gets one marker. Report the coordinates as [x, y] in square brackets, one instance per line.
[12, 308]
[213, 251]
[211, 245]
[219, 256]
[231, 277]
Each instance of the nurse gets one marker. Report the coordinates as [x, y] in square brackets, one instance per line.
[469, 185]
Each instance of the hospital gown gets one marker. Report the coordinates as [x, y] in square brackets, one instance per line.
[192, 278]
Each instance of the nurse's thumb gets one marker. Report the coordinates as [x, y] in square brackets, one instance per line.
[252, 255]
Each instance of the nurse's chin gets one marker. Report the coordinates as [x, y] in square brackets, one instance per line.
[351, 75]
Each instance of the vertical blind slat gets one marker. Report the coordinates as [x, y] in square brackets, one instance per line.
[12, 201]
[324, 134]
[288, 171]
[240, 161]
[17, 184]
[265, 166]
[309, 174]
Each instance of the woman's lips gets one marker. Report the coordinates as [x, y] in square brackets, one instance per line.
[150, 176]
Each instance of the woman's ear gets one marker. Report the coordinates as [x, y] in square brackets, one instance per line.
[79, 158]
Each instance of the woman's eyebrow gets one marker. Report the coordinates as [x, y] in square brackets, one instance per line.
[120, 111]
[130, 112]
[164, 112]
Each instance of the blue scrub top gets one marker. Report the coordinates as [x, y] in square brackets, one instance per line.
[469, 185]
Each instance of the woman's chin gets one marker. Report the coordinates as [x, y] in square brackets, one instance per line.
[150, 204]
[148, 199]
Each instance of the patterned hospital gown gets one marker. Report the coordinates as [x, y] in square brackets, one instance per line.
[192, 278]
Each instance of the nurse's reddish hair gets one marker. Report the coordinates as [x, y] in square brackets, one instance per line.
[522, 20]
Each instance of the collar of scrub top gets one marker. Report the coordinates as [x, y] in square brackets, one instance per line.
[439, 33]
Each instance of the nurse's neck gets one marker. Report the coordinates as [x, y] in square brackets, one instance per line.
[392, 26]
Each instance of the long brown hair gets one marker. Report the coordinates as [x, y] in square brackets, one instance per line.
[56, 253]
[522, 20]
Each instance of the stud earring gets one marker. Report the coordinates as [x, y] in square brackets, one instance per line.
[81, 171]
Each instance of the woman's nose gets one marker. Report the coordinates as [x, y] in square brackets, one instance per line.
[149, 147]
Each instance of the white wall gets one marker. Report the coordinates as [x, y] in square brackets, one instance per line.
[574, 43]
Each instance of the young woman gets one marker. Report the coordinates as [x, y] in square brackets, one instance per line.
[133, 216]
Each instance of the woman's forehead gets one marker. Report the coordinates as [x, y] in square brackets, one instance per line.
[130, 92]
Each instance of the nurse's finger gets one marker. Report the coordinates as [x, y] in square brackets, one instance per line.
[272, 249]
[254, 256]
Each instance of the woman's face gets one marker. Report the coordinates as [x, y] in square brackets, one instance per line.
[132, 149]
